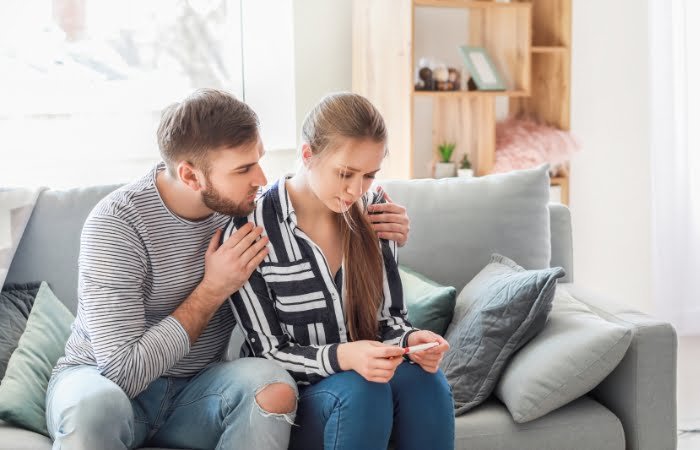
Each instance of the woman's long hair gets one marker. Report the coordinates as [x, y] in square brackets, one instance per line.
[346, 115]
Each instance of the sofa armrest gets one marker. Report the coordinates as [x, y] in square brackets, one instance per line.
[641, 391]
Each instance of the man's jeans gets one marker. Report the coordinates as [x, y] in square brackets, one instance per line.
[347, 412]
[214, 409]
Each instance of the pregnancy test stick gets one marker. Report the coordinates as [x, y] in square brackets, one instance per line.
[419, 348]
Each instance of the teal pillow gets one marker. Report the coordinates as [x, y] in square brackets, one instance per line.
[430, 305]
[23, 389]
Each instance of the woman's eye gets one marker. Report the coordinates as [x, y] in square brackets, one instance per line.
[370, 176]
[345, 175]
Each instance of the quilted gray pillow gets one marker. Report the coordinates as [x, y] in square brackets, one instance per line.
[16, 300]
[506, 306]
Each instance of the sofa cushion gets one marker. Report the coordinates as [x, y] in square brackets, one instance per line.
[430, 306]
[507, 306]
[16, 301]
[575, 351]
[457, 223]
[50, 244]
[583, 424]
[23, 390]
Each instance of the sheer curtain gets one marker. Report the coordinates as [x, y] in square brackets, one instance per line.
[675, 161]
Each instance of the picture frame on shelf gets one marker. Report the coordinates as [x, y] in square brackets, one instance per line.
[482, 69]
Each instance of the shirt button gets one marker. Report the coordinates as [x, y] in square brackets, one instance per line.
[252, 340]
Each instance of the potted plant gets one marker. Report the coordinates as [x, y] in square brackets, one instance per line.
[465, 167]
[444, 167]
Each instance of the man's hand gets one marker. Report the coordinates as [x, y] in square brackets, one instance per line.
[390, 221]
[429, 359]
[226, 268]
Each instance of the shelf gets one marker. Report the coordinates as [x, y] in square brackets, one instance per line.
[557, 181]
[550, 49]
[470, 4]
[461, 94]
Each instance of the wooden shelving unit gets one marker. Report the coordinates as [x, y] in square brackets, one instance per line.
[529, 41]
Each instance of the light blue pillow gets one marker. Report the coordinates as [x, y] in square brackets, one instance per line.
[23, 389]
[430, 305]
[505, 306]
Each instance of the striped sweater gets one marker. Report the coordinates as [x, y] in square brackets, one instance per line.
[138, 262]
[291, 308]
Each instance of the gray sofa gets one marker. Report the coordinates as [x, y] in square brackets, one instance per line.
[634, 408]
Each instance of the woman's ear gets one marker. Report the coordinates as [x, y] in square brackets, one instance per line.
[190, 176]
[306, 155]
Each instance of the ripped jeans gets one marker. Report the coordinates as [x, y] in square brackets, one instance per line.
[213, 409]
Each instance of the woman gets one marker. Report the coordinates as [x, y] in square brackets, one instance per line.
[327, 302]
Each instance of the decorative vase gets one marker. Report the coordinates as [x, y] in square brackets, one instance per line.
[466, 173]
[445, 169]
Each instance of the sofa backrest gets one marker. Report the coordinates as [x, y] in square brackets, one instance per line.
[455, 226]
[48, 250]
[457, 223]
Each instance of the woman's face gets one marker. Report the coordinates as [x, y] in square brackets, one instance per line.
[340, 176]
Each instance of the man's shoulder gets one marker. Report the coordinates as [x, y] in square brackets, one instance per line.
[125, 205]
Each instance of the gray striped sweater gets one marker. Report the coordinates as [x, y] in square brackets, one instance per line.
[138, 263]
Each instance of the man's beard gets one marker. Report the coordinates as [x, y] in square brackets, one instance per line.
[214, 201]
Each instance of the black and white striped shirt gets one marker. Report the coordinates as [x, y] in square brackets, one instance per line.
[291, 308]
[138, 263]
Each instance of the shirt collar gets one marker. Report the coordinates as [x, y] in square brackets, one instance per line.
[285, 209]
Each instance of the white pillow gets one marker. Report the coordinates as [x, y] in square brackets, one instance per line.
[574, 352]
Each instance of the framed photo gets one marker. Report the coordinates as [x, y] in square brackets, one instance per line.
[482, 69]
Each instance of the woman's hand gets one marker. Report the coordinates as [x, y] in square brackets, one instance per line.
[374, 361]
[429, 359]
[390, 221]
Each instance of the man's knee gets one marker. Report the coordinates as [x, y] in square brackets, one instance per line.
[102, 407]
[277, 398]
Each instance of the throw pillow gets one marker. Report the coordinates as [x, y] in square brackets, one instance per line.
[429, 304]
[575, 351]
[23, 390]
[508, 305]
[16, 301]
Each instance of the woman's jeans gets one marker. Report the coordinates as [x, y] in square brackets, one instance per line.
[214, 409]
[347, 412]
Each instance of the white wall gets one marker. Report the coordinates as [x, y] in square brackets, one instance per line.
[323, 64]
[610, 184]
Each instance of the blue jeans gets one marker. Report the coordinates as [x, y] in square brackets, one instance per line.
[347, 412]
[213, 409]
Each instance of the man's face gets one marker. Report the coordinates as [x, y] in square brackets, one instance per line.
[233, 179]
[339, 177]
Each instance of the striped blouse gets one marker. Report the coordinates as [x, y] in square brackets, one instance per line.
[291, 308]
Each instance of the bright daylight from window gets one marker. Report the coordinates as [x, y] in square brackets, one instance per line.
[83, 82]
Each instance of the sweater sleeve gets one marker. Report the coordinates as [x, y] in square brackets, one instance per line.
[112, 269]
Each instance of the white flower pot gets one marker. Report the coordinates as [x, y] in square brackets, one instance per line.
[466, 173]
[445, 169]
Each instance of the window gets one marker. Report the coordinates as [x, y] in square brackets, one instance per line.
[83, 81]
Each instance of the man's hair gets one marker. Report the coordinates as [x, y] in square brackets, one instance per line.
[206, 120]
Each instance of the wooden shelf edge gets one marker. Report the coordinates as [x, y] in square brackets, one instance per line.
[471, 4]
[549, 49]
[459, 94]
[558, 181]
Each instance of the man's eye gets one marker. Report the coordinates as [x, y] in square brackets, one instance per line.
[244, 170]
[371, 176]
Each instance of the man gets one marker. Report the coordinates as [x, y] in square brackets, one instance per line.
[143, 364]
